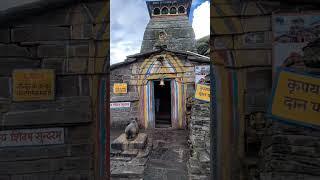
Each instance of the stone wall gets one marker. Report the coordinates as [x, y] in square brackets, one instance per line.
[120, 117]
[73, 41]
[241, 34]
[199, 139]
[290, 152]
[180, 35]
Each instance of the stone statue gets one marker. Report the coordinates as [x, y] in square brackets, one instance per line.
[132, 130]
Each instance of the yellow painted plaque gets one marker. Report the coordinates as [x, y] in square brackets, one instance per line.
[120, 88]
[203, 92]
[33, 85]
[296, 97]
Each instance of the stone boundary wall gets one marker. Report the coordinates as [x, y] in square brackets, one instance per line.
[74, 41]
[199, 139]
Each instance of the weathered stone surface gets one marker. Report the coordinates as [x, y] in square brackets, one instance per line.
[82, 31]
[80, 134]
[286, 176]
[84, 89]
[5, 90]
[11, 50]
[47, 40]
[4, 105]
[67, 86]
[77, 65]
[5, 178]
[256, 23]
[199, 161]
[128, 172]
[66, 111]
[5, 35]
[46, 165]
[40, 33]
[52, 51]
[63, 175]
[179, 32]
[54, 63]
[7, 65]
[79, 50]
[223, 42]
[290, 149]
[45, 152]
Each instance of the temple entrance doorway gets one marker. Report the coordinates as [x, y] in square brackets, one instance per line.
[162, 100]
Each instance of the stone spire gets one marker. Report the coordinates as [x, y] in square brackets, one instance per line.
[169, 26]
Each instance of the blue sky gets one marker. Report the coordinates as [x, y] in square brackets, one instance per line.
[129, 19]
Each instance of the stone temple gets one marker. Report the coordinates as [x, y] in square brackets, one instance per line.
[161, 77]
[170, 19]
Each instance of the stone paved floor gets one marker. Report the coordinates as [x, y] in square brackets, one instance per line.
[168, 158]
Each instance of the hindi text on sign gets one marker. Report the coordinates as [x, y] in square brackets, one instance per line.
[31, 137]
[33, 85]
[296, 97]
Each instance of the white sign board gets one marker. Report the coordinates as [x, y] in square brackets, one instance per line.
[31, 137]
[120, 105]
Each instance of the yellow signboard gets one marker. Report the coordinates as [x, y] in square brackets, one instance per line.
[203, 92]
[33, 85]
[120, 88]
[296, 97]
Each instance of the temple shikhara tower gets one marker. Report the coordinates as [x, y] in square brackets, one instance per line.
[169, 26]
[158, 80]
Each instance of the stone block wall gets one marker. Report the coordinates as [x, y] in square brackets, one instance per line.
[73, 40]
[241, 34]
[199, 139]
[291, 152]
[120, 117]
[180, 35]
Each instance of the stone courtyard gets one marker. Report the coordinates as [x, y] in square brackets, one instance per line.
[165, 157]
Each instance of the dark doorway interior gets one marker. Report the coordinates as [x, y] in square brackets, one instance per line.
[162, 97]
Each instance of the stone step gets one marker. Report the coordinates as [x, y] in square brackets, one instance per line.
[130, 153]
[128, 172]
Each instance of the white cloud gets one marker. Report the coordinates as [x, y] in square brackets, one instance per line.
[201, 20]
[128, 20]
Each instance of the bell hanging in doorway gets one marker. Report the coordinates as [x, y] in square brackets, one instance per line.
[162, 82]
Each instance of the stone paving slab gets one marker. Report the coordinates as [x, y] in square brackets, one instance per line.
[169, 155]
[128, 172]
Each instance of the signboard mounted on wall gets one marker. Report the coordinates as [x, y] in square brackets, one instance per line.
[119, 105]
[203, 92]
[33, 85]
[120, 88]
[296, 98]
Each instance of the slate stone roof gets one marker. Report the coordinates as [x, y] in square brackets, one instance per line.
[191, 56]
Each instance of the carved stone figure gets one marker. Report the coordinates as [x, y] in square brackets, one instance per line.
[132, 130]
